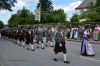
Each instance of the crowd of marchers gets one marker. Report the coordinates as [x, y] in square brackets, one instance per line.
[41, 37]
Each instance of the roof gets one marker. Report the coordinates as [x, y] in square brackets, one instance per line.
[85, 3]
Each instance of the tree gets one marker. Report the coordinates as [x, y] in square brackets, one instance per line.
[74, 20]
[97, 6]
[48, 15]
[7, 4]
[1, 25]
[23, 17]
[92, 14]
[97, 3]
[46, 5]
[12, 21]
[46, 8]
[58, 16]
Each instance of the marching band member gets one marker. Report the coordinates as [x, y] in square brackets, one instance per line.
[49, 37]
[39, 37]
[60, 44]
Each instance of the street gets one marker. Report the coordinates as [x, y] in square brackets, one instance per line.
[14, 55]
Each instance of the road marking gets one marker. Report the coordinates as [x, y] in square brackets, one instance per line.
[90, 59]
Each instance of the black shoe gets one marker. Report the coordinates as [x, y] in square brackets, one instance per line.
[43, 48]
[32, 49]
[46, 45]
[52, 46]
[67, 62]
[55, 59]
[37, 46]
[27, 49]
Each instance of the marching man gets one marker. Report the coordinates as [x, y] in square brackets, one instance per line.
[60, 44]
[39, 37]
[29, 39]
[49, 37]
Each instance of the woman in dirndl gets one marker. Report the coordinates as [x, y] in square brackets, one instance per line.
[86, 47]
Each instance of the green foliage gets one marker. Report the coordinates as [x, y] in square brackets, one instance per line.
[12, 21]
[97, 3]
[48, 15]
[7, 4]
[23, 17]
[58, 16]
[46, 5]
[75, 18]
[74, 21]
[1, 25]
[92, 15]
[97, 6]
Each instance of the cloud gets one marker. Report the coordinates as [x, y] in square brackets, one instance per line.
[72, 6]
[29, 1]
[19, 5]
[5, 14]
[69, 7]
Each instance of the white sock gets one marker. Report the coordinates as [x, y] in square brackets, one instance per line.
[65, 57]
[42, 45]
[23, 43]
[32, 46]
[55, 55]
[18, 42]
[51, 43]
[44, 41]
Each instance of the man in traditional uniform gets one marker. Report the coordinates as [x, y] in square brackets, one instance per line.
[21, 37]
[53, 29]
[29, 39]
[60, 44]
[49, 37]
[16, 36]
[39, 37]
[44, 36]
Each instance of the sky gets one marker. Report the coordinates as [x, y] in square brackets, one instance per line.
[67, 5]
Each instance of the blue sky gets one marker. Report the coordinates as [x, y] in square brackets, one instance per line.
[68, 6]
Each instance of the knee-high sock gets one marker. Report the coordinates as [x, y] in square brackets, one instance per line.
[18, 42]
[55, 55]
[23, 43]
[32, 46]
[51, 43]
[42, 45]
[65, 57]
[0, 35]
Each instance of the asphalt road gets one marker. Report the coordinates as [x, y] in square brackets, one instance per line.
[13, 55]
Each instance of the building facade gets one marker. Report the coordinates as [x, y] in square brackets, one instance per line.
[83, 7]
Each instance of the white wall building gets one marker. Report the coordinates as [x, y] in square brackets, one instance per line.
[83, 7]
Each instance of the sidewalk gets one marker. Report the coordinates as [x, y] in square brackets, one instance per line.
[77, 40]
